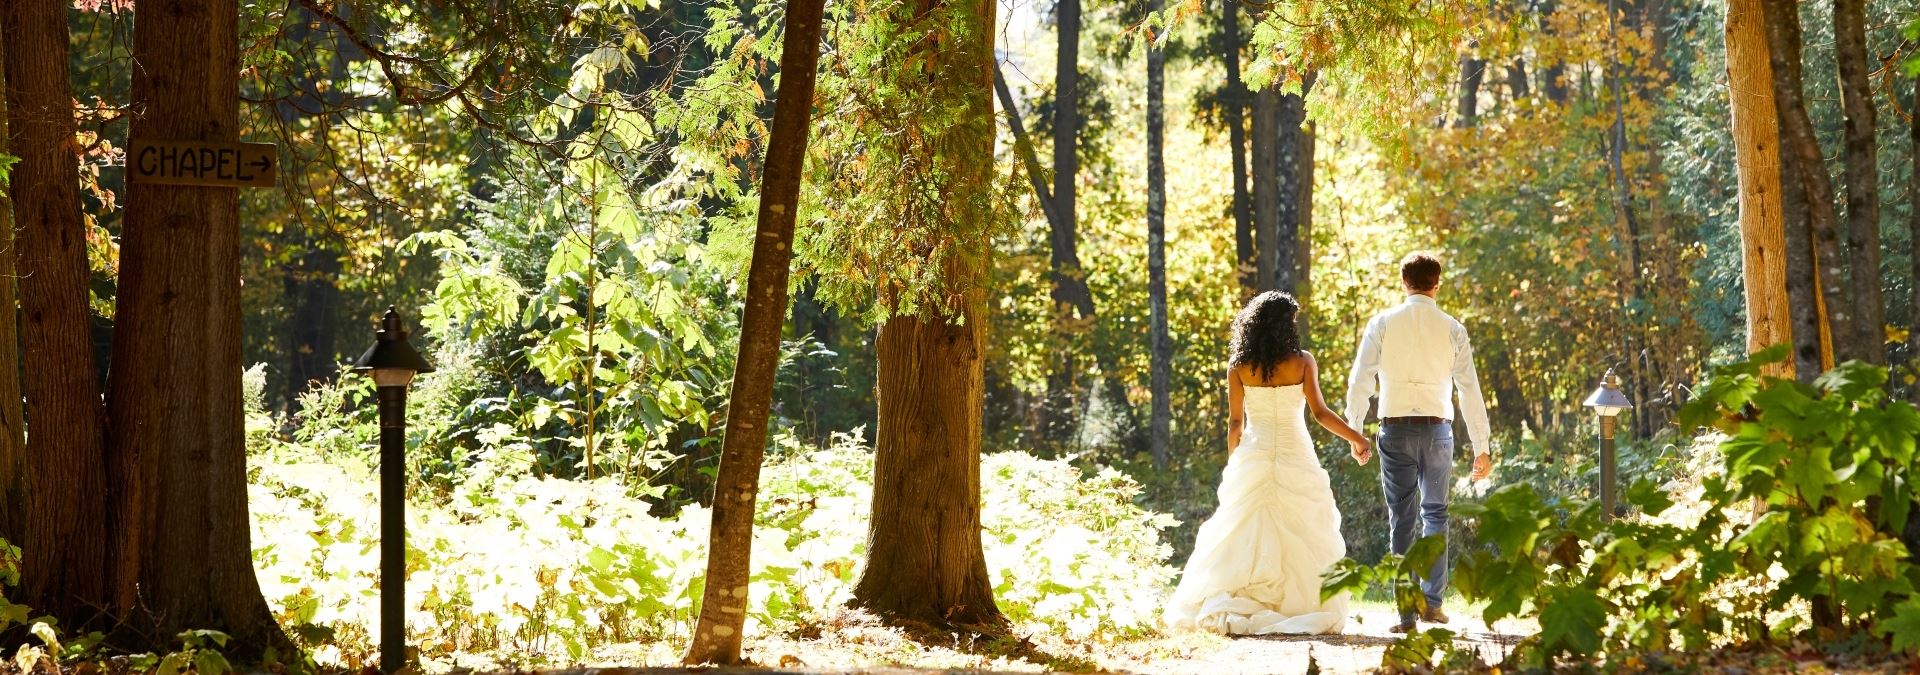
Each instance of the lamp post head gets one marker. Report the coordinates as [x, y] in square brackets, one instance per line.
[1607, 400]
[391, 361]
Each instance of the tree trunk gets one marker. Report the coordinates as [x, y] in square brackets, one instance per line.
[1802, 287]
[1863, 187]
[1266, 188]
[1473, 73]
[13, 439]
[1553, 78]
[1069, 283]
[1913, 222]
[1235, 115]
[313, 304]
[1304, 265]
[1756, 133]
[1809, 167]
[1517, 85]
[1160, 345]
[174, 403]
[1290, 154]
[723, 603]
[924, 560]
[66, 542]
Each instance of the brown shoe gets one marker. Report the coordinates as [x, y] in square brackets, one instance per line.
[1404, 626]
[1434, 615]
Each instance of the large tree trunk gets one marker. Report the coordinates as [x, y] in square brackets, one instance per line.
[185, 559]
[1070, 286]
[1801, 285]
[1235, 115]
[1266, 188]
[924, 560]
[1070, 292]
[1303, 265]
[1913, 223]
[1473, 73]
[1279, 170]
[13, 439]
[67, 540]
[1808, 166]
[1161, 346]
[1293, 169]
[1863, 176]
[723, 602]
[1756, 134]
[313, 303]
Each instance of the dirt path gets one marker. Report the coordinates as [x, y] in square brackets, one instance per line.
[1357, 651]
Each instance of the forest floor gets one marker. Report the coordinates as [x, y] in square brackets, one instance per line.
[854, 645]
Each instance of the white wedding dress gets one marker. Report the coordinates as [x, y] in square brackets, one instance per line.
[1257, 562]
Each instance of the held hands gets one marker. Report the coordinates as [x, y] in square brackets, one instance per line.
[1482, 466]
[1362, 450]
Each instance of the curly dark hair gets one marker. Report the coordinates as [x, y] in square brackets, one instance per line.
[1264, 333]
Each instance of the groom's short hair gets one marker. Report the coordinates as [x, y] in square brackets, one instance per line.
[1420, 271]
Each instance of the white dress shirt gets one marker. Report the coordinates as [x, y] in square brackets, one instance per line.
[1414, 355]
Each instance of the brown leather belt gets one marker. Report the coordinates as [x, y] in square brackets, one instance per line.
[1416, 420]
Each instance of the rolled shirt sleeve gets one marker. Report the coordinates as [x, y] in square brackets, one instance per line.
[1363, 382]
[1473, 406]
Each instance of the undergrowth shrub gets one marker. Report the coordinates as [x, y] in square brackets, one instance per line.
[1799, 534]
[506, 567]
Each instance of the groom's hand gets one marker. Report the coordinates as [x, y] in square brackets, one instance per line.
[1362, 451]
[1482, 466]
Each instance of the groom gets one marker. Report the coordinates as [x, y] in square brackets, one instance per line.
[1414, 355]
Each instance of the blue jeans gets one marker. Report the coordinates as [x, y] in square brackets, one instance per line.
[1416, 471]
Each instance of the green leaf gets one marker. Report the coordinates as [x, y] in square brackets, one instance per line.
[1904, 627]
[44, 631]
[210, 662]
[1346, 576]
[1571, 618]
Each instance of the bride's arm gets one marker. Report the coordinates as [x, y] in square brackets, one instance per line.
[1318, 405]
[1236, 415]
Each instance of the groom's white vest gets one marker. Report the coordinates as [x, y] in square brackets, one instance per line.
[1419, 355]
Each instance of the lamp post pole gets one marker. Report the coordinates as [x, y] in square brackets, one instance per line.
[393, 527]
[1608, 471]
[1608, 402]
[392, 363]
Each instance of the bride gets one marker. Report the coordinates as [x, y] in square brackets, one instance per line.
[1257, 562]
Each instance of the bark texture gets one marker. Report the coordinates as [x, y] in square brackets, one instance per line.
[723, 603]
[66, 542]
[1809, 170]
[1802, 287]
[1863, 181]
[185, 556]
[1069, 282]
[1161, 347]
[1756, 135]
[1290, 153]
[1913, 218]
[13, 440]
[1235, 115]
[924, 560]
[1266, 187]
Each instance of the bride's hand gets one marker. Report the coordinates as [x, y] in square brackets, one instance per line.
[1362, 451]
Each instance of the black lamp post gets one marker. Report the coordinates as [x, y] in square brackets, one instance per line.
[392, 363]
[1608, 402]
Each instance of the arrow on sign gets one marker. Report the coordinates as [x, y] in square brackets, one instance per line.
[203, 163]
